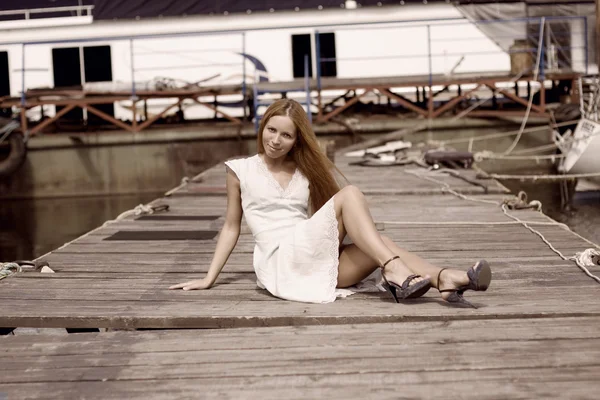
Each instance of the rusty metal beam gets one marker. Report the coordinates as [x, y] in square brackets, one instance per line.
[345, 106]
[513, 97]
[47, 122]
[107, 117]
[150, 121]
[405, 103]
[215, 109]
[23, 120]
[430, 103]
[452, 103]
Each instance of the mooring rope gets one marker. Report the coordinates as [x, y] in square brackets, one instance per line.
[587, 258]
[8, 269]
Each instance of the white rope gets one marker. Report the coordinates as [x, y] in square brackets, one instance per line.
[579, 258]
[138, 210]
[582, 260]
[184, 181]
[459, 223]
[446, 187]
[501, 134]
[8, 269]
[535, 78]
[489, 155]
[544, 177]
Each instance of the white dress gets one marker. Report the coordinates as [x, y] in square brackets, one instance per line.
[295, 257]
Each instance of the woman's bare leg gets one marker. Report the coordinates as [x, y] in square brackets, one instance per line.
[356, 265]
[449, 279]
[354, 218]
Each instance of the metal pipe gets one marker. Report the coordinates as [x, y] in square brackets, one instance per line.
[244, 75]
[307, 88]
[318, 57]
[429, 57]
[133, 95]
[23, 75]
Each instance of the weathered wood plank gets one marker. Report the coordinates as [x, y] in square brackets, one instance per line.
[549, 358]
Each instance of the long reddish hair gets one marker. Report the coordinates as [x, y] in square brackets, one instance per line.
[306, 153]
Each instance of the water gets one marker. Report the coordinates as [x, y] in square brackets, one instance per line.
[31, 228]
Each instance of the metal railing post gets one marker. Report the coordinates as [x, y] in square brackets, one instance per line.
[585, 36]
[23, 75]
[542, 44]
[255, 100]
[430, 96]
[318, 54]
[244, 74]
[133, 95]
[307, 88]
[318, 72]
[24, 127]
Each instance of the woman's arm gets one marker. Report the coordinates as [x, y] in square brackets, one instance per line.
[227, 238]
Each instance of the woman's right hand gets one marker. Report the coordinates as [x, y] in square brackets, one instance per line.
[193, 285]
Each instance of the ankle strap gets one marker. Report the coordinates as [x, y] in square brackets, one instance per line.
[390, 260]
[438, 280]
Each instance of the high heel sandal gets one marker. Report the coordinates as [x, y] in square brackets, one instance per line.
[480, 276]
[406, 291]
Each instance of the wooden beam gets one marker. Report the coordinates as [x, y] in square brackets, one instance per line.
[215, 109]
[151, 120]
[47, 122]
[107, 117]
[452, 103]
[430, 103]
[24, 120]
[134, 115]
[405, 103]
[345, 106]
[513, 97]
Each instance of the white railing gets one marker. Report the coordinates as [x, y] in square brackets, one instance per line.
[80, 10]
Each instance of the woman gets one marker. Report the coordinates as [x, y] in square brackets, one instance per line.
[299, 256]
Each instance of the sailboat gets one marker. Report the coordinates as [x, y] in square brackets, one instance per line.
[581, 147]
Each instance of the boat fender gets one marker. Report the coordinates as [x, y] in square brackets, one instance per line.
[16, 157]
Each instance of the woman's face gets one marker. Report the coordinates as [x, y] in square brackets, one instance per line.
[279, 136]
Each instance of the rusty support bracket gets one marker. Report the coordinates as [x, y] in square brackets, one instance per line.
[47, 122]
[215, 109]
[350, 102]
[405, 103]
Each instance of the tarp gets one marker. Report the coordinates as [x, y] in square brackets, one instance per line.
[569, 37]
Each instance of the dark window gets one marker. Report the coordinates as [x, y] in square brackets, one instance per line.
[97, 64]
[67, 73]
[97, 67]
[300, 48]
[301, 45]
[327, 53]
[4, 75]
[66, 65]
[4, 82]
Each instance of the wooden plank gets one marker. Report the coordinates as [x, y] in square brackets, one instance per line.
[516, 358]
[123, 283]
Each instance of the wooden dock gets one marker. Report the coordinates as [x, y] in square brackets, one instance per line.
[534, 335]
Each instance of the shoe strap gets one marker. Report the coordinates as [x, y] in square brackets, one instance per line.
[389, 261]
[438, 282]
[408, 280]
